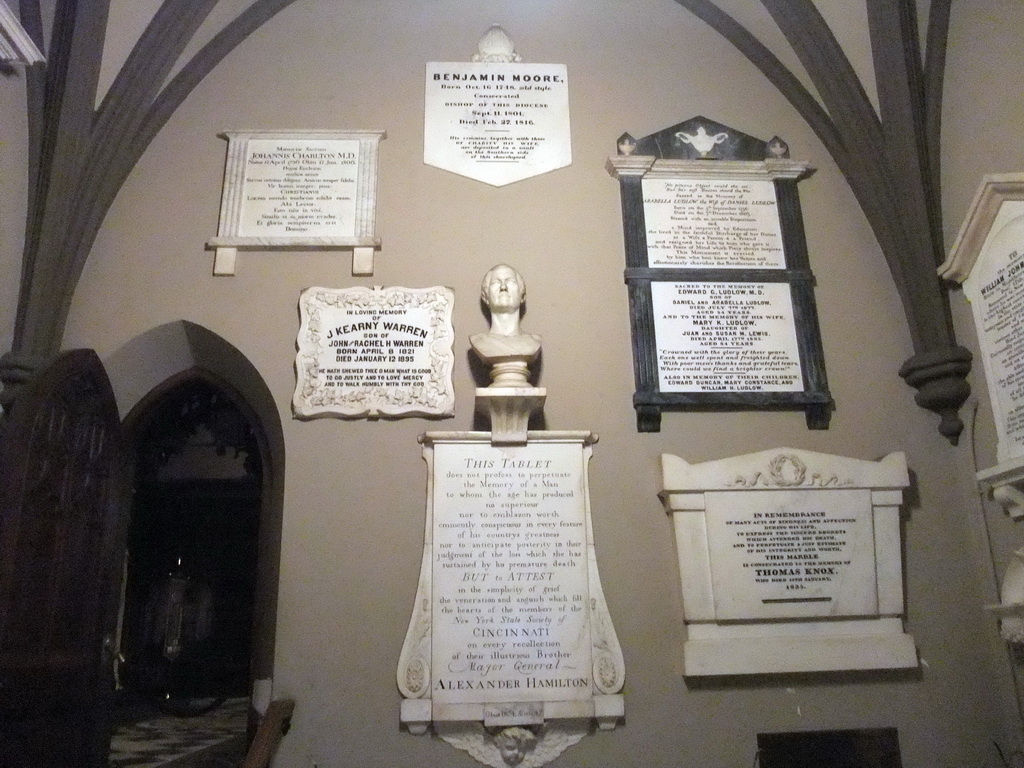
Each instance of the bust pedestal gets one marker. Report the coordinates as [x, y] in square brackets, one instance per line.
[509, 400]
[509, 409]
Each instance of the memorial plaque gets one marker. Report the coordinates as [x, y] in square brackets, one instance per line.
[790, 561]
[510, 628]
[510, 653]
[996, 292]
[792, 554]
[496, 122]
[313, 189]
[988, 259]
[299, 188]
[374, 352]
[720, 288]
[726, 337]
[712, 223]
[510, 575]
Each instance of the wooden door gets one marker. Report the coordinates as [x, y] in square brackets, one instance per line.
[62, 524]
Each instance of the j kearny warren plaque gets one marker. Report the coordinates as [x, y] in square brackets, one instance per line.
[374, 352]
[721, 292]
[299, 189]
[496, 119]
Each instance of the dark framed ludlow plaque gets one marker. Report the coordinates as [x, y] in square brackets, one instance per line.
[721, 293]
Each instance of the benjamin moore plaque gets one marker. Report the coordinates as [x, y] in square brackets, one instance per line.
[496, 122]
[374, 352]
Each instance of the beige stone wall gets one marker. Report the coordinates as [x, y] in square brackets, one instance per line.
[353, 514]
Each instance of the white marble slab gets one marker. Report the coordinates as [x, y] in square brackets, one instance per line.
[712, 224]
[510, 626]
[496, 122]
[995, 288]
[295, 187]
[298, 189]
[510, 574]
[987, 257]
[798, 647]
[790, 561]
[792, 554]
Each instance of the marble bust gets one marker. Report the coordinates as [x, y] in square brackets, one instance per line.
[505, 347]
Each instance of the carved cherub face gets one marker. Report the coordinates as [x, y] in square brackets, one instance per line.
[503, 289]
[512, 744]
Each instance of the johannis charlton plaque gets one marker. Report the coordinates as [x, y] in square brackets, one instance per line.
[374, 352]
[299, 189]
[496, 119]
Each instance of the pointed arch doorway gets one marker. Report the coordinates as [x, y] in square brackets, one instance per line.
[207, 449]
[192, 544]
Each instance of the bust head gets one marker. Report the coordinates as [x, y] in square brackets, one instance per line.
[503, 289]
[505, 347]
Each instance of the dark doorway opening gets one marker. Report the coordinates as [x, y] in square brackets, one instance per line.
[193, 544]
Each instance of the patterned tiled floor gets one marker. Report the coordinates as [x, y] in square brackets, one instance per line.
[215, 739]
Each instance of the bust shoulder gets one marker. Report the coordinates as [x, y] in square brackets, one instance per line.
[492, 347]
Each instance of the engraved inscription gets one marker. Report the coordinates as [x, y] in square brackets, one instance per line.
[298, 188]
[510, 575]
[726, 337]
[708, 223]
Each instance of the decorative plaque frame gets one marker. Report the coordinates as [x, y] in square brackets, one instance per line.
[721, 293]
[370, 352]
